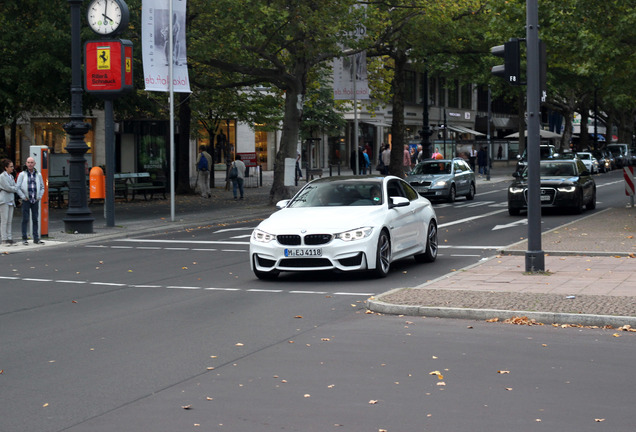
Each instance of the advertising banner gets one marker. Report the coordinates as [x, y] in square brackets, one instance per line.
[155, 39]
[345, 70]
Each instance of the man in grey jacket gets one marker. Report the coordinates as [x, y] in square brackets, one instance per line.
[30, 189]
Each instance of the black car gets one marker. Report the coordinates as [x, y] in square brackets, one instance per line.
[564, 184]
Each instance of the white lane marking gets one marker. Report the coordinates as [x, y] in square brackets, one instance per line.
[460, 221]
[197, 242]
[234, 229]
[176, 248]
[116, 284]
[233, 250]
[308, 292]
[149, 247]
[242, 236]
[464, 255]
[183, 287]
[121, 247]
[511, 224]
[263, 290]
[108, 284]
[470, 247]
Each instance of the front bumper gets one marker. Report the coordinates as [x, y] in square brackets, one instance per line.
[336, 255]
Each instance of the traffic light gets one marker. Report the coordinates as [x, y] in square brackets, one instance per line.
[511, 69]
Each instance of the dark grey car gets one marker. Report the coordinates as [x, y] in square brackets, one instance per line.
[443, 179]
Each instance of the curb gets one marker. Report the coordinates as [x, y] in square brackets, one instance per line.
[485, 314]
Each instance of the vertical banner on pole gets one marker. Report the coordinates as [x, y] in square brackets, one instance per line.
[156, 44]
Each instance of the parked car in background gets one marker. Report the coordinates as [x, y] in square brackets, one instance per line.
[443, 179]
[345, 223]
[590, 161]
[565, 184]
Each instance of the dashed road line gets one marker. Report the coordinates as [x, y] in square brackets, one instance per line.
[182, 287]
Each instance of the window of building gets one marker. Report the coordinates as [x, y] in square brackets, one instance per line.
[467, 96]
[432, 91]
[51, 133]
[442, 92]
[410, 87]
[260, 144]
[453, 95]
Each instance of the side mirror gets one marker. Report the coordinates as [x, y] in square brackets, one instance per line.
[399, 202]
[282, 204]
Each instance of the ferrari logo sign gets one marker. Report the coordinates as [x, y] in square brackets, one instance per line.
[103, 58]
[108, 66]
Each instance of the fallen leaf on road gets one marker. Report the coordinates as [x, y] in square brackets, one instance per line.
[503, 372]
[298, 316]
[373, 402]
[186, 407]
[599, 420]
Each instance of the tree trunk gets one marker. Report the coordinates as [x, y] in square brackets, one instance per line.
[396, 167]
[288, 142]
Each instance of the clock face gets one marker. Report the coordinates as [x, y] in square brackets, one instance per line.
[107, 17]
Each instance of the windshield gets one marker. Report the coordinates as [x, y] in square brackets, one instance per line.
[326, 194]
[557, 169]
[432, 168]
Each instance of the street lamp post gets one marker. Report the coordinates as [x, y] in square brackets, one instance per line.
[78, 216]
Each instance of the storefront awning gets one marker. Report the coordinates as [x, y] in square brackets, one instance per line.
[464, 130]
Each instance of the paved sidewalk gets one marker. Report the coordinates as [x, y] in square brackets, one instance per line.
[590, 279]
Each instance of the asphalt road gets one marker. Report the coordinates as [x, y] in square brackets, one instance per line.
[123, 334]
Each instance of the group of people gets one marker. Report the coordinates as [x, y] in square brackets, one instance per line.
[29, 186]
[204, 165]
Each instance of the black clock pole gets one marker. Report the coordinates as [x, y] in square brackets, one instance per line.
[79, 218]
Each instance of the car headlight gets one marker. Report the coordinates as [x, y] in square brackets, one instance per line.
[356, 234]
[567, 189]
[262, 236]
[515, 189]
[439, 183]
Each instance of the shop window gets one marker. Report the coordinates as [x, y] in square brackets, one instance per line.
[260, 144]
[51, 133]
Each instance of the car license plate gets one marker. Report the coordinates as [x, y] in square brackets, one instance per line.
[302, 252]
[545, 198]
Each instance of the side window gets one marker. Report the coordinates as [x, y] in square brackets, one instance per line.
[458, 167]
[580, 167]
[394, 189]
[410, 193]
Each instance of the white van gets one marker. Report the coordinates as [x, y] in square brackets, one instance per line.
[622, 153]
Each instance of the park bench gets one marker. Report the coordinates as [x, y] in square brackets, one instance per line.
[137, 183]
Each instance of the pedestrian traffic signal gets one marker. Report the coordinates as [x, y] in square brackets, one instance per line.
[511, 69]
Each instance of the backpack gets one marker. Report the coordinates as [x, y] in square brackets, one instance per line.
[203, 163]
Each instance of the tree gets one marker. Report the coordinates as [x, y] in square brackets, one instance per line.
[277, 42]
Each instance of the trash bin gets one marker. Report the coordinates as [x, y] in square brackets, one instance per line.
[97, 182]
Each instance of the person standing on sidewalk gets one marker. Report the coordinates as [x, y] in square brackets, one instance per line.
[8, 189]
[237, 182]
[30, 189]
[204, 164]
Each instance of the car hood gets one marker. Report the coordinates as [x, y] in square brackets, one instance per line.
[550, 181]
[426, 177]
[321, 219]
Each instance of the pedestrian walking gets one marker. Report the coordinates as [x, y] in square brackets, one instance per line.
[386, 159]
[472, 158]
[237, 175]
[482, 160]
[437, 154]
[367, 162]
[204, 164]
[8, 189]
[30, 187]
[406, 160]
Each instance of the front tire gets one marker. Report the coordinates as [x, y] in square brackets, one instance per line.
[471, 192]
[452, 194]
[514, 211]
[432, 245]
[592, 204]
[383, 256]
